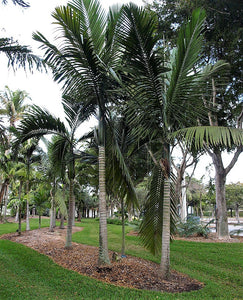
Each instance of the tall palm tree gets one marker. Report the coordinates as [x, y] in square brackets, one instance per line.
[83, 62]
[162, 102]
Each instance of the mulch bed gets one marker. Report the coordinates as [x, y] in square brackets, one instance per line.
[131, 272]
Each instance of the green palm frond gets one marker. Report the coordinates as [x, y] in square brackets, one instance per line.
[92, 21]
[151, 225]
[210, 136]
[20, 56]
[61, 202]
[144, 64]
[38, 122]
[118, 176]
[181, 95]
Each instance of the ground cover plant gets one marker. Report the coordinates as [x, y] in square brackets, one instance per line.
[26, 274]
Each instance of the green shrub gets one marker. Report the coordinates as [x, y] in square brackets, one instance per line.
[192, 226]
[115, 221]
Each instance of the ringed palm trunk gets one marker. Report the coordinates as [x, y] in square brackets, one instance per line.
[6, 202]
[70, 216]
[165, 249]
[103, 244]
[123, 228]
[20, 192]
[52, 191]
[27, 207]
[71, 206]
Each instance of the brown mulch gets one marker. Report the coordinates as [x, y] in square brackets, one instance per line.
[131, 272]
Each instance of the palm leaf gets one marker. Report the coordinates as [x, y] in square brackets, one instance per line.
[151, 225]
[38, 122]
[210, 136]
[181, 95]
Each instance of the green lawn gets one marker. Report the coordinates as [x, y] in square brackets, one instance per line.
[26, 274]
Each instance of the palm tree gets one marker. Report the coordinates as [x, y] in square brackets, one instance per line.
[12, 108]
[162, 103]
[83, 62]
[39, 122]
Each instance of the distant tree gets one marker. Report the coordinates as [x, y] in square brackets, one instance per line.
[234, 197]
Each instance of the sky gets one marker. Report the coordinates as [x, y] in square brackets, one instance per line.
[20, 23]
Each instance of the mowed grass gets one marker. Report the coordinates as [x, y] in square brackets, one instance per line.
[26, 274]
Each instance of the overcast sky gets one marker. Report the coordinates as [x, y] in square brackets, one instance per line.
[20, 24]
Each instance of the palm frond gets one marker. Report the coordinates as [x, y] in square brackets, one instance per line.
[180, 96]
[20, 56]
[151, 225]
[92, 21]
[210, 136]
[38, 122]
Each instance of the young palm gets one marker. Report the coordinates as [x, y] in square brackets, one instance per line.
[83, 61]
[39, 122]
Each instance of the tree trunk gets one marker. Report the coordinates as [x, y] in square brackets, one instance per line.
[221, 207]
[237, 213]
[123, 228]
[52, 191]
[39, 221]
[165, 249]
[70, 216]
[6, 202]
[27, 207]
[73, 212]
[103, 243]
[61, 226]
[20, 192]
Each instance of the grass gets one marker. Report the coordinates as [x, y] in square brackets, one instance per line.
[26, 274]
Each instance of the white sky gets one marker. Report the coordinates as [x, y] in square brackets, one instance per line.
[20, 24]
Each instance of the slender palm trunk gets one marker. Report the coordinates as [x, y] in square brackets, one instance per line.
[27, 207]
[6, 202]
[123, 228]
[61, 226]
[20, 206]
[52, 191]
[103, 244]
[70, 216]
[39, 221]
[165, 249]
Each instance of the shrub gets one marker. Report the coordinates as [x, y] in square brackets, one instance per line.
[192, 226]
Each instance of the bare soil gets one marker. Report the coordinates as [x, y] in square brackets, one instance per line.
[129, 272]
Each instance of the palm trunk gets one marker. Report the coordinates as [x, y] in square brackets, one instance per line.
[20, 192]
[165, 249]
[103, 244]
[52, 191]
[39, 221]
[123, 228]
[70, 215]
[73, 212]
[27, 207]
[6, 202]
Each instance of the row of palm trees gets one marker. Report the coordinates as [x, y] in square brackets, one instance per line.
[111, 65]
